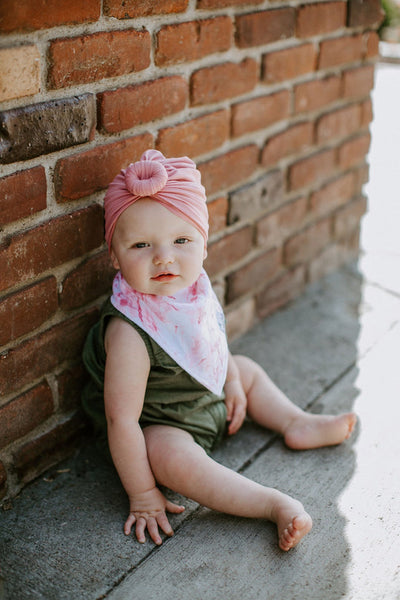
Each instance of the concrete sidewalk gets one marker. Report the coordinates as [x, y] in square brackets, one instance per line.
[336, 348]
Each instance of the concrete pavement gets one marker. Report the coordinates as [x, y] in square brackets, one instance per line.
[336, 348]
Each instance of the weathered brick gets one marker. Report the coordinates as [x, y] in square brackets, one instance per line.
[308, 243]
[280, 291]
[228, 169]
[88, 281]
[354, 151]
[24, 413]
[289, 63]
[42, 128]
[226, 80]
[20, 72]
[240, 319]
[27, 309]
[273, 229]
[264, 27]
[330, 259]
[70, 385]
[366, 113]
[28, 254]
[348, 218]
[253, 274]
[83, 174]
[367, 13]
[229, 249]
[339, 123]
[22, 194]
[184, 42]
[311, 169]
[127, 107]
[320, 18]
[371, 40]
[340, 51]
[206, 4]
[317, 94]
[333, 194]
[93, 57]
[358, 82]
[26, 15]
[130, 9]
[48, 448]
[253, 199]
[290, 141]
[260, 112]
[217, 212]
[195, 137]
[39, 355]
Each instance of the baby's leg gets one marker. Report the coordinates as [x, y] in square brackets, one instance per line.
[268, 406]
[183, 466]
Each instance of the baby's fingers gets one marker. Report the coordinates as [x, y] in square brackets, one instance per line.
[128, 523]
[174, 508]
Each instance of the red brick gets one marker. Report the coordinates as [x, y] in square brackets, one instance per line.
[320, 18]
[131, 106]
[311, 169]
[316, 94]
[330, 259]
[333, 194]
[184, 42]
[128, 9]
[354, 151]
[371, 40]
[290, 141]
[226, 80]
[27, 309]
[366, 113]
[24, 413]
[358, 82]
[206, 4]
[253, 274]
[339, 123]
[366, 13]
[349, 217]
[20, 75]
[264, 27]
[93, 57]
[340, 51]
[22, 194]
[70, 384]
[229, 169]
[277, 226]
[28, 254]
[83, 174]
[26, 15]
[48, 448]
[290, 63]
[217, 212]
[260, 112]
[239, 319]
[88, 281]
[228, 250]
[280, 291]
[195, 137]
[308, 243]
[42, 354]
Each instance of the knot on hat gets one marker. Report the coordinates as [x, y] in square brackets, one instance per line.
[145, 178]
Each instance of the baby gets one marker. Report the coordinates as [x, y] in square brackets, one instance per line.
[163, 383]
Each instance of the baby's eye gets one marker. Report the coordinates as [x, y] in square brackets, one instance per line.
[181, 240]
[141, 245]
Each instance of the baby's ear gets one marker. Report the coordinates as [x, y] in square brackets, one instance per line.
[114, 260]
[205, 253]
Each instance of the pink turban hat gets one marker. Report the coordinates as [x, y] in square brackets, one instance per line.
[173, 182]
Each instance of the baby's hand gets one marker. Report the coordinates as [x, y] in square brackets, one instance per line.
[236, 404]
[148, 509]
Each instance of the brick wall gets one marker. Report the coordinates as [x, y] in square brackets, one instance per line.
[271, 100]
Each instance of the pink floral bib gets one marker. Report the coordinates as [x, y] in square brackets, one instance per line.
[189, 326]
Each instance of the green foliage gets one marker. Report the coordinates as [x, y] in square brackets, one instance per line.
[392, 14]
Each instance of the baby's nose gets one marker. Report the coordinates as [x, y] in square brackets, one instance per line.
[163, 256]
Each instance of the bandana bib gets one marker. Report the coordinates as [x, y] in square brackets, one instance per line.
[189, 326]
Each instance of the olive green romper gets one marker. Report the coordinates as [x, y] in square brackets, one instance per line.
[172, 396]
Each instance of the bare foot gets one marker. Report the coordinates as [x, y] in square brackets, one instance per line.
[314, 431]
[292, 520]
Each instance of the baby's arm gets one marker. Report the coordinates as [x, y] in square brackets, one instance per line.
[235, 398]
[126, 373]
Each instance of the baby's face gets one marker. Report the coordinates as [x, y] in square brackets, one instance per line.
[156, 251]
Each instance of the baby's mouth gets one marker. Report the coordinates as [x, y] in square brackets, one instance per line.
[165, 276]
